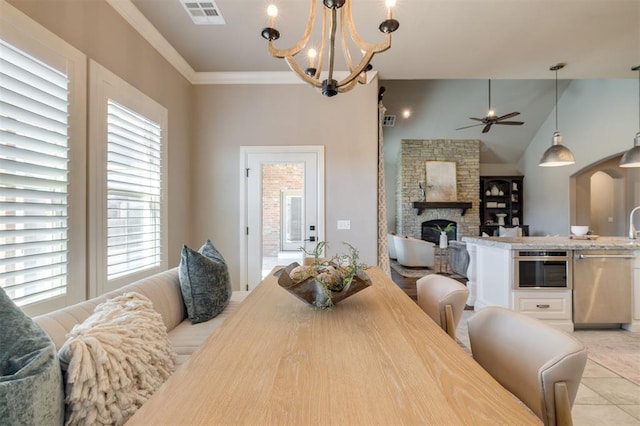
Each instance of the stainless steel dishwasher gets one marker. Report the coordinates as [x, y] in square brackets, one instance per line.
[602, 286]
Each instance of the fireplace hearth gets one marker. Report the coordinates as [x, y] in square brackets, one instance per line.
[431, 233]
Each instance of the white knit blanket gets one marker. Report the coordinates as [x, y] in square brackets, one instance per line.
[115, 360]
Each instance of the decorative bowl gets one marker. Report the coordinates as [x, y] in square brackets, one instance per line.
[579, 230]
[314, 292]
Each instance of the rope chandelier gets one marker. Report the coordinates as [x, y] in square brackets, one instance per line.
[336, 20]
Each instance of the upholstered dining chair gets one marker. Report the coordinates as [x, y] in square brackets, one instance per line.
[443, 299]
[539, 364]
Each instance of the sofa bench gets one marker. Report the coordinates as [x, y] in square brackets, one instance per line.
[127, 343]
[163, 289]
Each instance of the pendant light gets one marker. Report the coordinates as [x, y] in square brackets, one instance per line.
[337, 20]
[631, 158]
[557, 154]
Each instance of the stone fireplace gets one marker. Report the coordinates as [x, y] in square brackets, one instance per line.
[411, 175]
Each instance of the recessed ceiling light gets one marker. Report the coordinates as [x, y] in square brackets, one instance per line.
[406, 113]
[203, 12]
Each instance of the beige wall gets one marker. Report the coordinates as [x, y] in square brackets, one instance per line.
[93, 27]
[603, 195]
[204, 151]
[228, 117]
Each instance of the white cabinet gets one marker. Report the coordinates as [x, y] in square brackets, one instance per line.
[553, 306]
[494, 272]
[494, 275]
[636, 287]
[491, 277]
[543, 304]
[635, 277]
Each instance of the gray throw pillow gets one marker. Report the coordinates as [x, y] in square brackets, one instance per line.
[31, 390]
[204, 281]
[210, 251]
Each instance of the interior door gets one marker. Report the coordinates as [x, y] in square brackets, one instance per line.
[269, 170]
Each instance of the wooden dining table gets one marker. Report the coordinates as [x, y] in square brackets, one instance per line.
[374, 358]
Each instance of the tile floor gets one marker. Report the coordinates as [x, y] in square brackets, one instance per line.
[604, 398]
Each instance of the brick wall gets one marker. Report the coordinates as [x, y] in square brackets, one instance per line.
[275, 179]
[412, 171]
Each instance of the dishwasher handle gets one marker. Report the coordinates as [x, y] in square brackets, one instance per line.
[603, 256]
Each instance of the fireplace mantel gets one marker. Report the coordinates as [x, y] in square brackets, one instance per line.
[423, 205]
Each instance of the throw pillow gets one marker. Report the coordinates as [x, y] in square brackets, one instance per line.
[115, 360]
[516, 231]
[31, 390]
[204, 281]
[210, 251]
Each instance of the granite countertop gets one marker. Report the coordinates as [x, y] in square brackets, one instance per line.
[546, 243]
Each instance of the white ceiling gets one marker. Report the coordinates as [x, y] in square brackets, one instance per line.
[438, 39]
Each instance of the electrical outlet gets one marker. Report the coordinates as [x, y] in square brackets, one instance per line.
[610, 219]
[344, 224]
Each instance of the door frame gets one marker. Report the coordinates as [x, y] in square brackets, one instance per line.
[245, 151]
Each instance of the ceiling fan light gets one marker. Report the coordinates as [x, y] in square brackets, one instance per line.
[557, 154]
[631, 158]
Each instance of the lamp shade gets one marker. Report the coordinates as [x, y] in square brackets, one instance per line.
[631, 158]
[557, 154]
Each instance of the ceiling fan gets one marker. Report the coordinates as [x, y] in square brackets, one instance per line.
[492, 118]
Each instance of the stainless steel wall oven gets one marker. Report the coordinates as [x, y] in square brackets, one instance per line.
[542, 269]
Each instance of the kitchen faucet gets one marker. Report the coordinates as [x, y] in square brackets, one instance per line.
[632, 229]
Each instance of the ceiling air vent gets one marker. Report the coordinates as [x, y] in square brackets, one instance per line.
[388, 121]
[203, 13]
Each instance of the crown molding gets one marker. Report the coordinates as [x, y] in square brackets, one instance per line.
[274, 77]
[263, 77]
[140, 23]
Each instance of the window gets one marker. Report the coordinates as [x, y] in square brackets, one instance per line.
[33, 171]
[41, 86]
[133, 191]
[127, 171]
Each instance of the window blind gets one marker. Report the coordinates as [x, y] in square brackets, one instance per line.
[134, 182]
[33, 177]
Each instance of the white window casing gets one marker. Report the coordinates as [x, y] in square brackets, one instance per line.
[42, 165]
[127, 172]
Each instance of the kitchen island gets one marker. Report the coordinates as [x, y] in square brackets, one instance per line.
[564, 281]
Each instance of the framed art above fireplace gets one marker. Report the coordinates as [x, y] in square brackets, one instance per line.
[441, 181]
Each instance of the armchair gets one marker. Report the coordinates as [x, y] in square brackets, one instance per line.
[414, 252]
[392, 246]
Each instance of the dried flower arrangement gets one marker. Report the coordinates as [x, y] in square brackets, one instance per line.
[323, 282]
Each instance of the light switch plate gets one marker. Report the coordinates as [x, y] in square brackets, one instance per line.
[344, 224]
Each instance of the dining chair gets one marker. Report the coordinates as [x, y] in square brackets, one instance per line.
[443, 299]
[539, 364]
